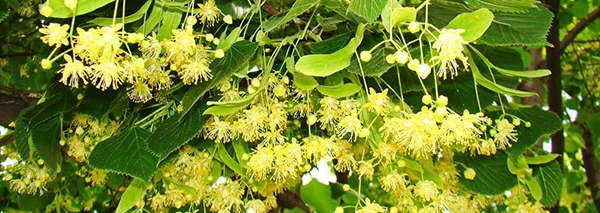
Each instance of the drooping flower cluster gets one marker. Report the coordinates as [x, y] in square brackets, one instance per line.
[103, 56]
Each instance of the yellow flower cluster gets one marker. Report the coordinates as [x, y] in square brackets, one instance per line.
[23, 177]
[264, 120]
[103, 56]
[86, 131]
[279, 166]
[435, 127]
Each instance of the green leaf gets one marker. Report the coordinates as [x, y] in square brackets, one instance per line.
[170, 21]
[59, 10]
[56, 100]
[305, 82]
[549, 177]
[527, 28]
[152, 21]
[376, 67]
[226, 108]
[542, 123]
[128, 19]
[239, 53]
[483, 81]
[318, 196]
[332, 44]
[367, 9]
[233, 36]
[126, 152]
[133, 194]
[240, 148]
[493, 176]
[322, 65]
[504, 5]
[525, 74]
[176, 131]
[226, 159]
[298, 8]
[339, 91]
[45, 137]
[387, 18]
[534, 188]
[474, 23]
[541, 159]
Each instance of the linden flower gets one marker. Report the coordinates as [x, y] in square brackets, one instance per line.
[417, 134]
[393, 182]
[72, 72]
[379, 102]
[55, 34]
[195, 72]
[226, 196]
[139, 92]
[208, 12]
[349, 125]
[220, 131]
[505, 133]
[135, 69]
[106, 74]
[371, 207]
[449, 45]
[180, 48]
[426, 189]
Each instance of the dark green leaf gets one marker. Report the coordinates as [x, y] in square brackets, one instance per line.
[549, 178]
[493, 176]
[373, 68]
[527, 28]
[299, 7]
[332, 44]
[126, 152]
[45, 137]
[176, 131]
[542, 123]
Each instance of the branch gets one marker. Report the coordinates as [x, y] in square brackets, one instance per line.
[580, 26]
[290, 199]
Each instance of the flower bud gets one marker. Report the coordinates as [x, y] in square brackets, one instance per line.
[346, 187]
[365, 56]
[219, 53]
[413, 65]
[209, 37]
[390, 59]
[46, 64]
[469, 173]
[423, 70]
[426, 99]
[402, 57]
[414, 27]
[442, 100]
[228, 19]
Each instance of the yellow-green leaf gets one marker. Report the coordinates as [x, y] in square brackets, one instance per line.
[322, 65]
[474, 23]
